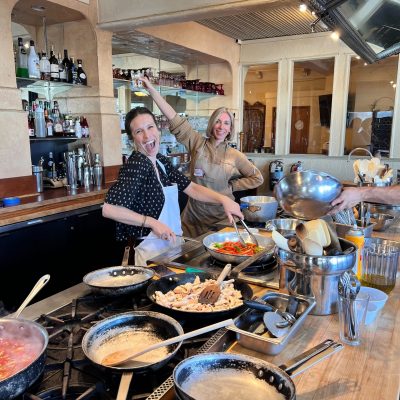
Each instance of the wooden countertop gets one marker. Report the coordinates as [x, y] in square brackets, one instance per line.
[51, 201]
[369, 371]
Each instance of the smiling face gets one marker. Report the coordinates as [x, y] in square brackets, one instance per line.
[145, 134]
[222, 127]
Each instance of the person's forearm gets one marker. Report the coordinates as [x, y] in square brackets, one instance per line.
[162, 104]
[125, 216]
[201, 193]
[386, 195]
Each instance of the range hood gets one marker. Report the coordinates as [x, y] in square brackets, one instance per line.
[371, 28]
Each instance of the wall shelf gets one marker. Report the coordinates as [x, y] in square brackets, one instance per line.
[167, 91]
[65, 139]
[48, 89]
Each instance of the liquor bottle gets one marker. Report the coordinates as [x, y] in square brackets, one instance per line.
[78, 128]
[67, 67]
[85, 127]
[62, 75]
[22, 60]
[54, 74]
[31, 123]
[81, 78]
[40, 124]
[48, 120]
[33, 62]
[44, 66]
[74, 73]
[57, 121]
[50, 168]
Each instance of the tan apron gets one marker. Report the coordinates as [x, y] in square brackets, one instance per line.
[152, 246]
[198, 216]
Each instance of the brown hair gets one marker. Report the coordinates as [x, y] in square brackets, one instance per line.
[132, 114]
[214, 118]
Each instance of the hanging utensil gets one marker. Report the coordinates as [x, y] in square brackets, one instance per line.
[210, 294]
[121, 357]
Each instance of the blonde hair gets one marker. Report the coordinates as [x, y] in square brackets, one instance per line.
[214, 118]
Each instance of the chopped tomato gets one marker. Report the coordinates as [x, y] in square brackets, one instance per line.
[236, 248]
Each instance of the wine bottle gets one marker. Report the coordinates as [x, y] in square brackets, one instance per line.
[81, 78]
[33, 62]
[31, 123]
[22, 60]
[67, 67]
[54, 74]
[73, 70]
[62, 75]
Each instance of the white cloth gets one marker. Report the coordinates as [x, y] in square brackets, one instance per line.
[170, 216]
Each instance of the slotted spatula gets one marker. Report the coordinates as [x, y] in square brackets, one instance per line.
[211, 293]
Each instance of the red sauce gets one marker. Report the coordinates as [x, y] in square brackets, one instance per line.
[15, 355]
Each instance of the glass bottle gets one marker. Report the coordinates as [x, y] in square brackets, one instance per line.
[81, 78]
[73, 70]
[31, 124]
[22, 60]
[67, 67]
[62, 75]
[40, 124]
[44, 66]
[33, 62]
[54, 74]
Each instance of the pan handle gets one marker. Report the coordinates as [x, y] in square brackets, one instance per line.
[311, 357]
[125, 259]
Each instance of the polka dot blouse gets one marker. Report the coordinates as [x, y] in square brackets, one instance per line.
[139, 190]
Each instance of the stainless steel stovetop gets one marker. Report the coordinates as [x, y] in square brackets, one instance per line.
[194, 255]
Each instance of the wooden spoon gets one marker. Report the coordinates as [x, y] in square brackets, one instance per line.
[120, 357]
[210, 294]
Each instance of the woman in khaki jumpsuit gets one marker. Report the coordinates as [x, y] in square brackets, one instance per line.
[214, 164]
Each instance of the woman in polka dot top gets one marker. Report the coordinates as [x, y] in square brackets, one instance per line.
[144, 200]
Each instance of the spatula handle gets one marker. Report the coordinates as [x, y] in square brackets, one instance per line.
[224, 273]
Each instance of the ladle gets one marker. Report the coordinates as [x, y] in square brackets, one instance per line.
[36, 289]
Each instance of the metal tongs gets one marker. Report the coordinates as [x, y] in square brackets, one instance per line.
[241, 240]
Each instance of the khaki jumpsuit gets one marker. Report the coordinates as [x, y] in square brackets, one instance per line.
[220, 168]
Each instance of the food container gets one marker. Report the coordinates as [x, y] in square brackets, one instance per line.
[252, 333]
[342, 229]
[285, 226]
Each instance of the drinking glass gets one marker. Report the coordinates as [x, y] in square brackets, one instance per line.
[352, 318]
[379, 266]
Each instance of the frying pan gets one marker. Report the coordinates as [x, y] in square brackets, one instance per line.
[108, 335]
[34, 335]
[219, 237]
[241, 377]
[119, 280]
[168, 283]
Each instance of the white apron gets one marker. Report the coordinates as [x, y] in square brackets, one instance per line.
[170, 216]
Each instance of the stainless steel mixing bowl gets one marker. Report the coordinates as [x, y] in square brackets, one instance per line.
[307, 194]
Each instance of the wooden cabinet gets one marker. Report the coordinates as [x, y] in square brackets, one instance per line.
[253, 126]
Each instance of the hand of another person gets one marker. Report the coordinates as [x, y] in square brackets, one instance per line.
[231, 208]
[162, 231]
[349, 197]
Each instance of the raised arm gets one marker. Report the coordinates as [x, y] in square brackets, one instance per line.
[162, 104]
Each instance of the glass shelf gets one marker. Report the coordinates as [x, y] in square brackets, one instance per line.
[48, 89]
[55, 139]
[167, 91]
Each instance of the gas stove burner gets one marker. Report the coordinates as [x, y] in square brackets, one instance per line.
[95, 392]
[253, 269]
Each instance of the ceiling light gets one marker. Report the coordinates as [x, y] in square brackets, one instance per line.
[358, 57]
[37, 7]
[335, 35]
[391, 82]
[302, 7]
[394, 86]
[365, 64]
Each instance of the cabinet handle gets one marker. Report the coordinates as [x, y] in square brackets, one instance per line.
[34, 221]
[83, 215]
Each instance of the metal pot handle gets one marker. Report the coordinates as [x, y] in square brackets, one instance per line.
[125, 259]
[311, 357]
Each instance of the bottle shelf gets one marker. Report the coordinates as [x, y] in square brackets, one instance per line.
[167, 91]
[65, 139]
[49, 89]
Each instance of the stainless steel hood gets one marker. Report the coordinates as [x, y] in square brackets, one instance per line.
[371, 28]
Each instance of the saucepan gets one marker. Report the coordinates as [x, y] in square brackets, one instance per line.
[241, 377]
[258, 208]
[127, 330]
[119, 280]
[23, 346]
[167, 283]
[220, 237]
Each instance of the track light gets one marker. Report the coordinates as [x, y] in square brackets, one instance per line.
[302, 7]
